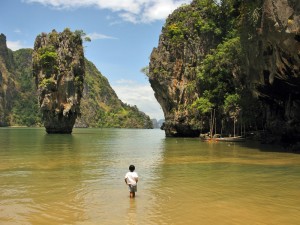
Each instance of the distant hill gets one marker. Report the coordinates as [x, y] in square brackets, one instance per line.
[100, 106]
[157, 124]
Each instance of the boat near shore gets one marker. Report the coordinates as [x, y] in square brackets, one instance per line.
[217, 138]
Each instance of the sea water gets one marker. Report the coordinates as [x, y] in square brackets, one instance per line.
[79, 179]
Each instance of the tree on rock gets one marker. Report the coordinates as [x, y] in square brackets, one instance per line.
[58, 68]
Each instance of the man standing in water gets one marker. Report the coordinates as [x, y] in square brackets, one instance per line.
[131, 179]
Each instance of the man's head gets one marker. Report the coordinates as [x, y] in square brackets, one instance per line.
[131, 168]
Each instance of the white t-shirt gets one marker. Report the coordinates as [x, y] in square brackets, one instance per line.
[131, 177]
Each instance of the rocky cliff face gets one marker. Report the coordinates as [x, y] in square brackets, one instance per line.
[7, 83]
[271, 39]
[269, 31]
[173, 69]
[58, 66]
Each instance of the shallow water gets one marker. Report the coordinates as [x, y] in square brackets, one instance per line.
[79, 179]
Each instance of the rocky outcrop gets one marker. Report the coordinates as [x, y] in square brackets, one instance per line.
[173, 69]
[58, 67]
[5, 53]
[269, 66]
[271, 39]
[3, 80]
[7, 84]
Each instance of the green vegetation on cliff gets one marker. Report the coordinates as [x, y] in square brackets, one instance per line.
[199, 63]
[59, 69]
[220, 74]
[19, 106]
[101, 107]
[230, 64]
[25, 110]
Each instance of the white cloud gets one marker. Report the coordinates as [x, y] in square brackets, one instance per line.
[97, 36]
[134, 11]
[159, 10]
[18, 31]
[15, 45]
[129, 17]
[140, 95]
[124, 81]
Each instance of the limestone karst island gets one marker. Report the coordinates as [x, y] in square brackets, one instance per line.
[58, 68]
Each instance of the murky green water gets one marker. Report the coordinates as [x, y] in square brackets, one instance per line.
[79, 179]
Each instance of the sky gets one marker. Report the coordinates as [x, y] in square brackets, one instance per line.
[123, 34]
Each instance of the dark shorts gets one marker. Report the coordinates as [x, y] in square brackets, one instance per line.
[132, 188]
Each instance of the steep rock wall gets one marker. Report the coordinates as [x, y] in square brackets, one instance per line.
[58, 66]
[271, 40]
[7, 84]
[173, 69]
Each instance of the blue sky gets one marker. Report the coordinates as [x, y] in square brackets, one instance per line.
[123, 34]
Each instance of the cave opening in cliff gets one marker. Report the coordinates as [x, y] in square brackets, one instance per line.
[297, 37]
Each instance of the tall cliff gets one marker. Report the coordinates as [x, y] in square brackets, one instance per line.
[173, 66]
[58, 66]
[271, 41]
[7, 85]
[188, 66]
[232, 63]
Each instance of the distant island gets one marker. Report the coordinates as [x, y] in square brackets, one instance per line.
[157, 123]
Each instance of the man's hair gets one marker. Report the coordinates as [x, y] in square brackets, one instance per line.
[131, 168]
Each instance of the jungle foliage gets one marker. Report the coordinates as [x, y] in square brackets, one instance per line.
[25, 110]
[101, 107]
[220, 82]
